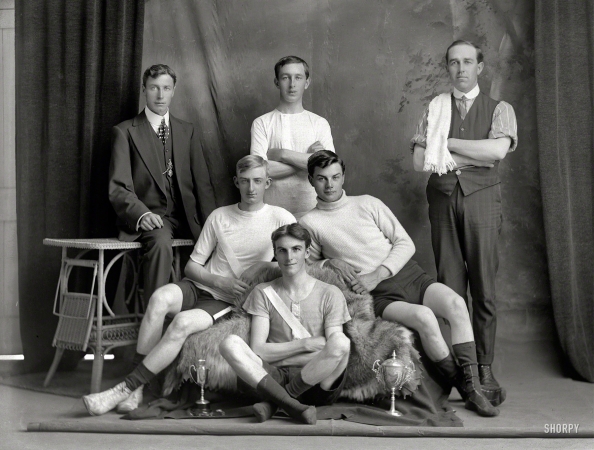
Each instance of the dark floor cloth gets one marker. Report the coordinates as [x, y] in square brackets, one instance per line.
[428, 406]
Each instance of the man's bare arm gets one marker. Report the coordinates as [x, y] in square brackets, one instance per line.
[272, 352]
[303, 358]
[464, 161]
[482, 149]
[278, 170]
[295, 159]
[460, 160]
[299, 360]
[418, 158]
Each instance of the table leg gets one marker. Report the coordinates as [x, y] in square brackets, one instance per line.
[97, 372]
[98, 361]
[54, 367]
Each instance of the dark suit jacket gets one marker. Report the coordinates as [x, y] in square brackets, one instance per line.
[136, 181]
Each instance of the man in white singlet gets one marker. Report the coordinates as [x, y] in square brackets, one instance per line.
[287, 136]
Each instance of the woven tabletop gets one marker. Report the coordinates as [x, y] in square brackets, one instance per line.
[105, 243]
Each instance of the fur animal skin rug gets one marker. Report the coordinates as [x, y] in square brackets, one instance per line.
[371, 339]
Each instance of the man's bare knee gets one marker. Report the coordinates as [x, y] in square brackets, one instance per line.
[182, 325]
[163, 300]
[232, 347]
[339, 345]
[424, 321]
[457, 309]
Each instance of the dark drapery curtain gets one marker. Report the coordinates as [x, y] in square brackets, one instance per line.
[565, 101]
[78, 71]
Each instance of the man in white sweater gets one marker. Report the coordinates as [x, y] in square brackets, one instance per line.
[287, 136]
[364, 243]
[234, 238]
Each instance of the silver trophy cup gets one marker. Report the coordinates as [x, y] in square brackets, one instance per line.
[393, 374]
[199, 375]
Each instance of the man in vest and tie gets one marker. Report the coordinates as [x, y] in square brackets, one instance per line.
[461, 138]
[159, 184]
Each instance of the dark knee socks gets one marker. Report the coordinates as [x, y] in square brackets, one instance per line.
[139, 376]
[297, 386]
[275, 393]
[137, 359]
[264, 411]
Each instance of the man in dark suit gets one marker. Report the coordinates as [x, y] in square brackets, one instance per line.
[159, 184]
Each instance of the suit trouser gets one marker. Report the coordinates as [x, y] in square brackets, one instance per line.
[157, 258]
[464, 234]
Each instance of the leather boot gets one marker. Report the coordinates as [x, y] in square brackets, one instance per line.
[450, 370]
[475, 400]
[489, 385]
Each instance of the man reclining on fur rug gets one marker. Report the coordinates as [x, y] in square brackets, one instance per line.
[234, 238]
[364, 243]
[298, 352]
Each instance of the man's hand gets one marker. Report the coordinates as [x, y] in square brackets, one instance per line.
[345, 271]
[315, 147]
[314, 344]
[369, 281]
[150, 221]
[232, 286]
[275, 154]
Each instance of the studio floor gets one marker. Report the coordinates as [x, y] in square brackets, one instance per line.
[539, 396]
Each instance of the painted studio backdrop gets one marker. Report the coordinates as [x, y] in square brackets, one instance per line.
[374, 68]
[375, 65]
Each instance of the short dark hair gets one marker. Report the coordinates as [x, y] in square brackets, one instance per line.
[479, 52]
[322, 159]
[156, 71]
[290, 60]
[294, 230]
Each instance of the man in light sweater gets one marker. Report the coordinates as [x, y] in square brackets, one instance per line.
[234, 238]
[287, 136]
[364, 243]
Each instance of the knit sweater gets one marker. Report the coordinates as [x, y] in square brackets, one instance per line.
[361, 231]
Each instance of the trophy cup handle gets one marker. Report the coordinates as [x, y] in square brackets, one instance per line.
[377, 368]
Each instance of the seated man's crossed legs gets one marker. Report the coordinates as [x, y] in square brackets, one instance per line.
[192, 309]
[296, 389]
[415, 300]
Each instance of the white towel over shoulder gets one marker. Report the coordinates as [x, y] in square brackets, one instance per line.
[437, 156]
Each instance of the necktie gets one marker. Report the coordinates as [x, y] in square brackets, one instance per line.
[462, 108]
[163, 131]
[164, 135]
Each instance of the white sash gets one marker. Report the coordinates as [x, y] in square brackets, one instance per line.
[236, 266]
[299, 331]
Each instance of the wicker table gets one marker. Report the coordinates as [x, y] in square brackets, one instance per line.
[81, 321]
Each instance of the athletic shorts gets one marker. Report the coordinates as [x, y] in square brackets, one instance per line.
[408, 285]
[196, 298]
[315, 396]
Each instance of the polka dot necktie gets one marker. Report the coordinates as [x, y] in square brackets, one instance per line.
[164, 135]
[163, 131]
